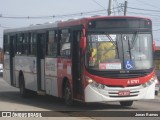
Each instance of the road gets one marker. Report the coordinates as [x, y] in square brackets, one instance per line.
[10, 100]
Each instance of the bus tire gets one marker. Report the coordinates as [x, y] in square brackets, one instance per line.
[68, 94]
[126, 103]
[23, 90]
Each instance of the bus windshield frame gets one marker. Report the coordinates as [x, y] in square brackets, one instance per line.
[124, 49]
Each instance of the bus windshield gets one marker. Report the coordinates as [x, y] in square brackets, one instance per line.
[113, 51]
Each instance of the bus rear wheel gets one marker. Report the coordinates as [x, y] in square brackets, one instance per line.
[126, 103]
[68, 94]
[23, 91]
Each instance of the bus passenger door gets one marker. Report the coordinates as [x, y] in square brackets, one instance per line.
[12, 60]
[76, 64]
[41, 38]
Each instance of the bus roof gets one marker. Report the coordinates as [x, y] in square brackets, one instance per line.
[31, 28]
[70, 22]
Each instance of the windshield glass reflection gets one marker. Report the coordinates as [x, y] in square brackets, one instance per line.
[119, 51]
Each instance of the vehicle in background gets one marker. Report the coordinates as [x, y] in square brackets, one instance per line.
[157, 68]
[157, 88]
[1, 69]
[1, 62]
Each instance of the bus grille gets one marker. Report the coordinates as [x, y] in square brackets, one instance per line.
[126, 75]
[115, 94]
[120, 86]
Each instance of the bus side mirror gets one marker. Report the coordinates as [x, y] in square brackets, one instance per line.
[83, 42]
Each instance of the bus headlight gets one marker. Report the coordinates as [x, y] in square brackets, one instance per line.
[152, 80]
[89, 80]
[94, 83]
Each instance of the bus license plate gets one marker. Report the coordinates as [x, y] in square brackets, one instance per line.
[123, 93]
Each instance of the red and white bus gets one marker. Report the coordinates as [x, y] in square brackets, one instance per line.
[94, 59]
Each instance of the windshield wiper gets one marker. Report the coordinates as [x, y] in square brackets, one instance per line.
[129, 49]
[134, 39]
[110, 38]
[130, 46]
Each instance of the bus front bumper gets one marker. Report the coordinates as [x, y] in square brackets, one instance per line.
[95, 94]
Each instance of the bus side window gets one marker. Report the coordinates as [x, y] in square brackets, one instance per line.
[6, 44]
[52, 44]
[19, 45]
[26, 44]
[33, 43]
[65, 45]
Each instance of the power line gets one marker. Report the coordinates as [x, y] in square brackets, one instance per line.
[144, 14]
[144, 9]
[53, 16]
[88, 13]
[117, 4]
[82, 13]
[103, 11]
[148, 4]
[3, 26]
[99, 4]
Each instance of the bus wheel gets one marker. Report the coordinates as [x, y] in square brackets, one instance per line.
[23, 91]
[126, 103]
[68, 94]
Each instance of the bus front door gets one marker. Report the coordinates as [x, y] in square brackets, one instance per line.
[76, 64]
[41, 37]
[12, 60]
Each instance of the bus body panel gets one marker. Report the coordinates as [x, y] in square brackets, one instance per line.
[6, 72]
[108, 89]
[93, 94]
[27, 65]
[42, 74]
[64, 73]
[51, 84]
[123, 82]
[9, 75]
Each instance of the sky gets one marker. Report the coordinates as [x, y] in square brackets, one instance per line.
[22, 13]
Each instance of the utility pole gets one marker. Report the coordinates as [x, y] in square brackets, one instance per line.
[125, 8]
[109, 7]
